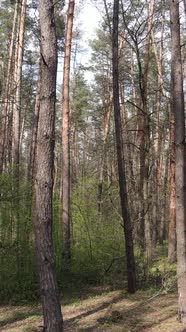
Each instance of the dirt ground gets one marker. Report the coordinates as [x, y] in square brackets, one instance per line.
[108, 311]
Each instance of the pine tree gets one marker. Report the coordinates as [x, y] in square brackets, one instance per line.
[43, 180]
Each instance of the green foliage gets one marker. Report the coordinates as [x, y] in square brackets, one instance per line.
[57, 231]
[97, 238]
[80, 100]
[98, 253]
[17, 259]
[6, 17]
[98, 248]
[158, 273]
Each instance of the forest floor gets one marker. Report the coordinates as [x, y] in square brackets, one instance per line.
[102, 310]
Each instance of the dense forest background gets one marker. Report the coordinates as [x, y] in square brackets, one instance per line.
[94, 243]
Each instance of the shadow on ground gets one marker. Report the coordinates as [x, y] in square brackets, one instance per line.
[128, 314]
[111, 312]
[16, 314]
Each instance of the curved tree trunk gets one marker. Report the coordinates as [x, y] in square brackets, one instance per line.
[43, 181]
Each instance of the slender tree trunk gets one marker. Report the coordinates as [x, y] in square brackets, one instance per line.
[7, 90]
[143, 130]
[146, 130]
[156, 178]
[65, 141]
[126, 138]
[159, 57]
[8, 138]
[180, 162]
[17, 82]
[22, 128]
[157, 137]
[16, 119]
[172, 192]
[44, 161]
[164, 205]
[106, 126]
[131, 275]
[34, 127]
[74, 166]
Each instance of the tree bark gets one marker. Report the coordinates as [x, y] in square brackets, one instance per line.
[66, 254]
[17, 85]
[156, 219]
[131, 275]
[34, 127]
[106, 126]
[172, 192]
[180, 162]
[7, 89]
[145, 150]
[43, 180]
[143, 134]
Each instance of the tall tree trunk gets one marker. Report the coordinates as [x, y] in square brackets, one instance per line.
[145, 150]
[34, 127]
[65, 141]
[43, 180]
[131, 275]
[126, 138]
[180, 162]
[7, 90]
[17, 84]
[164, 206]
[143, 138]
[159, 57]
[172, 192]
[105, 133]
[16, 119]
[157, 136]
